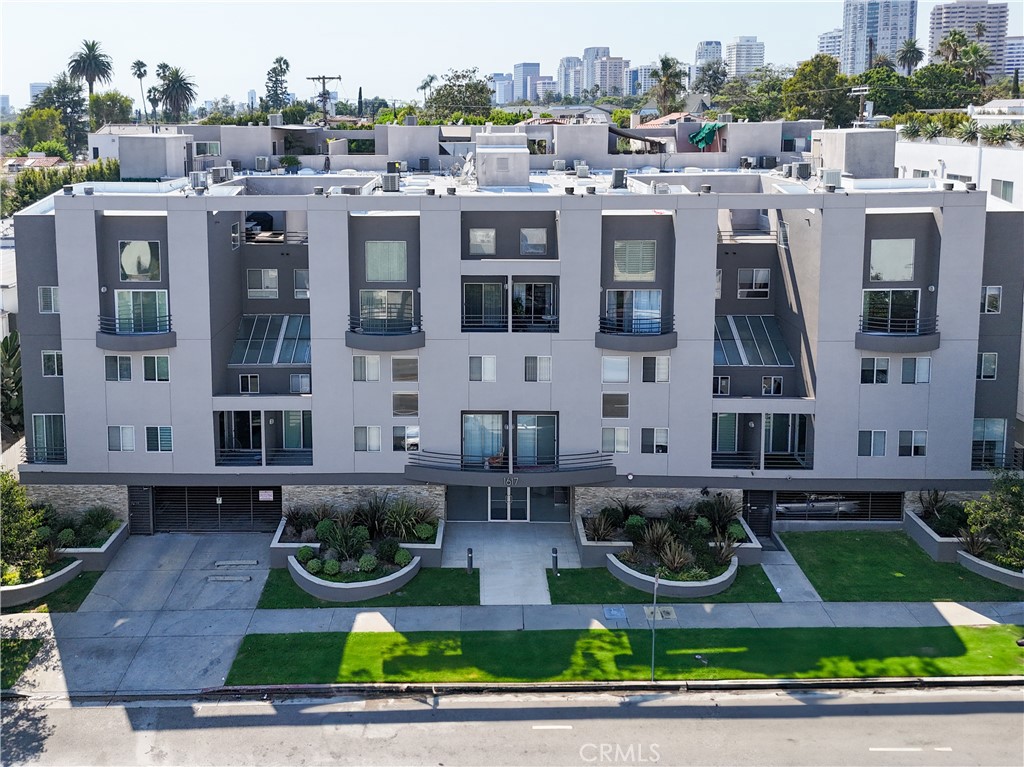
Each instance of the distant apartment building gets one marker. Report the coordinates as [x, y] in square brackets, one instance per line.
[501, 85]
[1014, 55]
[744, 55]
[640, 80]
[5, 104]
[610, 74]
[873, 27]
[965, 15]
[707, 50]
[590, 55]
[830, 43]
[521, 77]
[569, 78]
[543, 87]
[34, 89]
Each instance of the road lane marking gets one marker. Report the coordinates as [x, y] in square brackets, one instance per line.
[895, 749]
[944, 748]
[552, 726]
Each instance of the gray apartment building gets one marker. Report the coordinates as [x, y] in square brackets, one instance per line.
[515, 340]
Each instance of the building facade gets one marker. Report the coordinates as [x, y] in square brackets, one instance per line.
[743, 55]
[569, 78]
[966, 15]
[590, 55]
[1014, 55]
[522, 76]
[830, 43]
[610, 75]
[873, 27]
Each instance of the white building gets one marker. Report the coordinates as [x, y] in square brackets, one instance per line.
[831, 43]
[965, 15]
[875, 27]
[610, 74]
[1014, 54]
[640, 80]
[521, 77]
[502, 86]
[590, 55]
[744, 55]
[543, 87]
[569, 78]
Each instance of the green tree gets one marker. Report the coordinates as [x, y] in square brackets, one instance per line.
[975, 60]
[109, 108]
[154, 98]
[296, 113]
[178, 93]
[1015, 88]
[999, 515]
[461, 90]
[882, 61]
[756, 96]
[91, 64]
[909, 55]
[979, 30]
[668, 83]
[621, 117]
[51, 148]
[10, 383]
[942, 86]
[35, 125]
[277, 84]
[889, 90]
[139, 72]
[22, 556]
[32, 185]
[711, 78]
[818, 91]
[951, 45]
[65, 95]
[427, 86]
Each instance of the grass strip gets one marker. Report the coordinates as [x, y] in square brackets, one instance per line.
[865, 566]
[601, 655]
[433, 587]
[67, 599]
[15, 655]
[597, 586]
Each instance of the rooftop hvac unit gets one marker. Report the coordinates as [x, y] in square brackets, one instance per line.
[350, 190]
[394, 167]
[618, 178]
[724, 117]
[833, 176]
[263, 164]
[424, 165]
[802, 170]
[558, 165]
[748, 162]
[582, 171]
[403, 166]
[662, 189]
[390, 182]
[221, 174]
[787, 170]
[767, 161]
[197, 179]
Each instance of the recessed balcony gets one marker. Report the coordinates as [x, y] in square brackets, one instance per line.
[632, 332]
[381, 330]
[136, 333]
[499, 470]
[37, 455]
[897, 334]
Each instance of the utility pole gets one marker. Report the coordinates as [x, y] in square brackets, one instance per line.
[324, 96]
[862, 91]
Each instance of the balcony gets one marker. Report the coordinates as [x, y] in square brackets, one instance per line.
[386, 331]
[236, 457]
[290, 457]
[37, 455]
[752, 460]
[735, 236]
[257, 237]
[986, 459]
[499, 471]
[899, 335]
[534, 323]
[621, 331]
[488, 322]
[136, 333]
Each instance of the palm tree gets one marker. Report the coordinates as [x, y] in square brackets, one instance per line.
[909, 55]
[91, 64]
[979, 30]
[668, 82]
[975, 60]
[178, 93]
[882, 61]
[427, 87]
[951, 45]
[138, 72]
[154, 98]
[161, 70]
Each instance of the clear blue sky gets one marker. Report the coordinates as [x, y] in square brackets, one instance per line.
[388, 47]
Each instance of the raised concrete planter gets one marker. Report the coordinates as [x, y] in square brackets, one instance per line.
[938, 548]
[429, 553]
[97, 560]
[10, 596]
[1010, 578]
[351, 592]
[823, 525]
[748, 553]
[279, 552]
[682, 589]
[593, 553]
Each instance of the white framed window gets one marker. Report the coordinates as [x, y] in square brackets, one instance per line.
[991, 299]
[988, 364]
[405, 404]
[301, 278]
[656, 369]
[615, 370]
[870, 444]
[249, 383]
[236, 236]
[634, 260]
[533, 242]
[300, 383]
[874, 370]
[262, 283]
[118, 367]
[615, 405]
[615, 439]
[771, 386]
[366, 367]
[156, 367]
[159, 439]
[207, 148]
[891, 261]
[140, 260]
[405, 369]
[405, 439]
[753, 283]
[720, 386]
[916, 370]
[482, 242]
[53, 364]
[386, 261]
[121, 439]
[654, 440]
[49, 300]
[483, 368]
[913, 443]
[538, 369]
[1002, 189]
[718, 283]
[367, 439]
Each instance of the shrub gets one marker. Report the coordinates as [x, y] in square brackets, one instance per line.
[720, 511]
[976, 544]
[424, 531]
[702, 525]
[613, 516]
[307, 536]
[331, 567]
[999, 516]
[299, 519]
[931, 501]
[736, 532]
[403, 557]
[322, 511]
[372, 513]
[43, 534]
[361, 534]
[330, 555]
[387, 549]
[629, 508]
[99, 517]
[629, 556]
[66, 538]
[304, 554]
[400, 519]
[314, 566]
[367, 563]
[656, 536]
[325, 529]
[724, 550]
[634, 527]
[426, 515]
[683, 515]
[950, 520]
[676, 557]
[696, 574]
[598, 528]
[349, 566]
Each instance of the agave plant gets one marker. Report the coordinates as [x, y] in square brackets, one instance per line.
[1017, 133]
[911, 129]
[723, 550]
[721, 511]
[996, 135]
[967, 132]
[400, 519]
[931, 130]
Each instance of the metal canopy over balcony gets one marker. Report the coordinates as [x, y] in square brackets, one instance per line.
[895, 334]
[498, 471]
[136, 333]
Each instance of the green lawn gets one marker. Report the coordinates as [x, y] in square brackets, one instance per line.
[540, 656]
[857, 566]
[596, 586]
[431, 587]
[15, 655]
[67, 599]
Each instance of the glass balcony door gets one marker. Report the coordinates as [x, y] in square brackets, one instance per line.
[483, 440]
[483, 306]
[634, 311]
[536, 439]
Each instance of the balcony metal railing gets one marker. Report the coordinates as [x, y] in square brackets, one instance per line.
[500, 463]
[983, 459]
[276, 238]
[919, 326]
[134, 326]
[743, 459]
[625, 324]
[238, 457]
[534, 323]
[789, 461]
[748, 235]
[45, 454]
[491, 322]
[290, 457]
[383, 323]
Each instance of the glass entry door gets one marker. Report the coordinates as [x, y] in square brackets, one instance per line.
[508, 504]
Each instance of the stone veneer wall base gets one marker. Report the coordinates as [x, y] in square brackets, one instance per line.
[350, 496]
[74, 499]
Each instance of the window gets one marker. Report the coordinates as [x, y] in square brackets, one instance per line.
[121, 439]
[156, 368]
[752, 283]
[483, 368]
[538, 369]
[49, 300]
[874, 370]
[236, 236]
[298, 429]
[720, 386]
[366, 367]
[483, 306]
[48, 443]
[118, 367]
[386, 311]
[405, 438]
[723, 433]
[301, 277]
[249, 383]
[655, 369]
[211, 148]
[988, 362]
[913, 443]
[405, 404]
[53, 364]
[771, 386]
[890, 311]
[1002, 189]
[405, 368]
[386, 261]
[654, 440]
[533, 242]
[300, 383]
[482, 242]
[140, 260]
[718, 283]
[367, 439]
[142, 311]
[634, 260]
[871, 444]
[262, 283]
[918, 173]
[533, 306]
[158, 439]
[891, 261]
[917, 370]
[632, 311]
[958, 177]
[615, 370]
[272, 339]
[991, 299]
[615, 440]
[614, 405]
[988, 443]
[782, 236]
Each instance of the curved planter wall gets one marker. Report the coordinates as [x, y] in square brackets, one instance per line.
[992, 572]
[351, 592]
[681, 589]
[429, 553]
[97, 560]
[280, 552]
[938, 548]
[593, 553]
[10, 596]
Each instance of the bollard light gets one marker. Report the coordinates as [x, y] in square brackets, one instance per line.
[469, 561]
[554, 561]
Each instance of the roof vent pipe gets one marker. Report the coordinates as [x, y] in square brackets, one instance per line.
[69, 190]
[88, 190]
[948, 186]
[431, 191]
[591, 190]
[570, 190]
[705, 187]
[200, 191]
[318, 190]
[830, 187]
[451, 190]
[971, 186]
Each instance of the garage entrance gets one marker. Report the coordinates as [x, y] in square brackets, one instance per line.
[196, 509]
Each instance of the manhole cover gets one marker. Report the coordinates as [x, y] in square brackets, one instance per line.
[615, 613]
[664, 613]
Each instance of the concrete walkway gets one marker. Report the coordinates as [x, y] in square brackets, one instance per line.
[787, 577]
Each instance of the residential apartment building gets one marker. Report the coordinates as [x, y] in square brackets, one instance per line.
[569, 78]
[502, 88]
[522, 76]
[639, 79]
[544, 87]
[830, 43]
[610, 75]
[873, 27]
[743, 55]
[707, 50]
[965, 15]
[590, 55]
[258, 338]
[34, 89]
[1013, 55]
